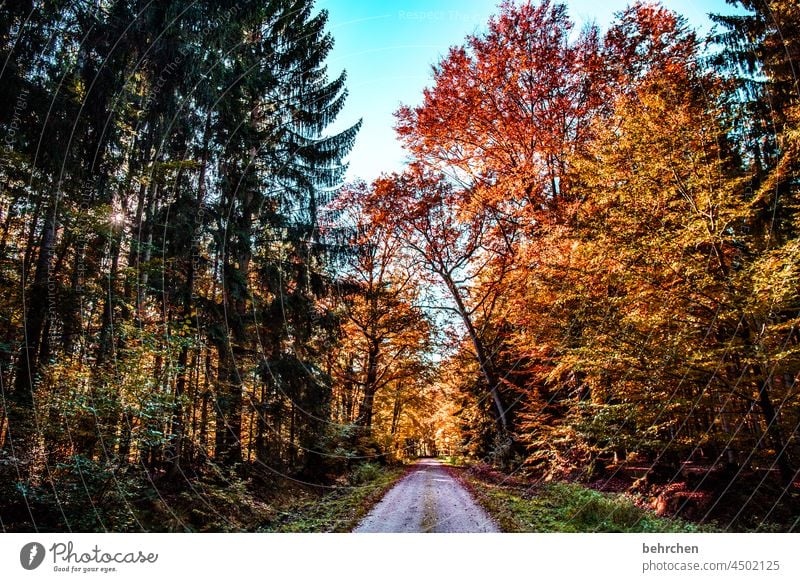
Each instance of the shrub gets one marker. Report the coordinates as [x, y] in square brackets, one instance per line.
[365, 473]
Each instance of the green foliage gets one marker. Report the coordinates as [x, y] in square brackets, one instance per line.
[364, 473]
[188, 155]
[571, 508]
[337, 448]
[346, 448]
[88, 496]
[455, 460]
[220, 501]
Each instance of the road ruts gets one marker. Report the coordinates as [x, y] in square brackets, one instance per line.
[428, 499]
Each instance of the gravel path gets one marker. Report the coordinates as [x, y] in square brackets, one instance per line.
[428, 499]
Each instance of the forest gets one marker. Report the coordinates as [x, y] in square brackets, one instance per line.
[588, 273]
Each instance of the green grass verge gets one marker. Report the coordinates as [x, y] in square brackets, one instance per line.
[568, 507]
[339, 509]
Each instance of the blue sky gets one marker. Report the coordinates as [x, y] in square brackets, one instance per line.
[388, 48]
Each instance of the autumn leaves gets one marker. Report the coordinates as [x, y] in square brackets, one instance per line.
[583, 203]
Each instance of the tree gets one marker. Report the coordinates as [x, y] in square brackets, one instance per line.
[505, 115]
[160, 205]
[426, 213]
[384, 327]
[658, 298]
[760, 51]
[508, 108]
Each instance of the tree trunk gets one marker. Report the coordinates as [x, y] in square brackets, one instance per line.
[396, 409]
[772, 429]
[175, 448]
[228, 447]
[775, 433]
[370, 388]
[484, 361]
[20, 429]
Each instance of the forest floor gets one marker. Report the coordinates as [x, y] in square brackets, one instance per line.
[518, 505]
[333, 509]
[427, 496]
[428, 499]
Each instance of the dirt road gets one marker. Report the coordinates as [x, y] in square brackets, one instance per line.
[428, 499]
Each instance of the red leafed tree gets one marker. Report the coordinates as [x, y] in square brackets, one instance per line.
[649, 41]
[508, 108]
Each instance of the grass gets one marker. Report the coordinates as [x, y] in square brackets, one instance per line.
[339, 509]
[567, 508]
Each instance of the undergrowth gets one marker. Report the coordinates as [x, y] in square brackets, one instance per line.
[95, 497]
[340, 508]
[568, 508]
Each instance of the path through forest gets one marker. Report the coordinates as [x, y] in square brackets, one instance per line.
[428, 499]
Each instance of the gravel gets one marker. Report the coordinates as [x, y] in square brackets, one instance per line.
[428, 499]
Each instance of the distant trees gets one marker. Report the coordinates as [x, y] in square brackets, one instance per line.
[452, 244]
[385, 335]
